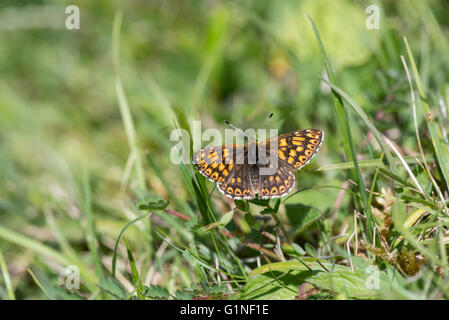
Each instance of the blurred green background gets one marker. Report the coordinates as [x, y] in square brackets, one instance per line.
[65, 162]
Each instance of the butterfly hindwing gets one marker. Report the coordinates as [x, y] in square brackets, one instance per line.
[238, 185]
[278, 184]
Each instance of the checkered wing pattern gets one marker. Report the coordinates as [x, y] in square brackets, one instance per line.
[239, 185]
[218, 163]
[228, 165]
[278, 184]
[296, 148]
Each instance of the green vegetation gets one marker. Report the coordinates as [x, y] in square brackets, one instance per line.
[88, 185]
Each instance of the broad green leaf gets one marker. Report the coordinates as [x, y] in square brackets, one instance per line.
[276, 285]
[226, 218]
[298, 249]
[113, 287]
[155, 292]
[280, 280]
[353, 284]
[311, 251]
[301, 216]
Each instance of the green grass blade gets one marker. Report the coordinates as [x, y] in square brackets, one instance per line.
[135, 273]
[345, 131]
[124, 107]
[90, 228]
[43, 250]
[6, 277]
[439, 145]
[39, 284]
[114, 255]
[372, 163]
[363, 116]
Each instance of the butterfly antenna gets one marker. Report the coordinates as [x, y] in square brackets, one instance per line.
[235, 128]
[267, 118]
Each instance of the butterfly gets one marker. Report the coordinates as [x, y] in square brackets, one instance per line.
[238, 170]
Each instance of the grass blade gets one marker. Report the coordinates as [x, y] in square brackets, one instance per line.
[124, 107]
[6, 277]
[441, 149]
[345, 131]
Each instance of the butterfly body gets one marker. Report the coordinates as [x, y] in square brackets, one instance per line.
[259, 169]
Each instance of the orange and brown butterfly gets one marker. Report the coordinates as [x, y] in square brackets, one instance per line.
[238, 178]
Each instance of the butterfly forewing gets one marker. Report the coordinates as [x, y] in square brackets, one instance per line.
[217, 163]
[298, 147]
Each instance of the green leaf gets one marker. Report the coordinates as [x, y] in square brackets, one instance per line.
[280, 280]
[183, 295]
[311, 251]
[155, 292]
[218, 290]
[351, 283]
[153, 202]
[113, 287]
[227, 217]
[298, 249]
[260, 202]
[302, 216]
[267, 210]
[275, 285]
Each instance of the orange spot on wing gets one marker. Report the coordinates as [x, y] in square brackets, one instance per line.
[281, 155]
[283, 142]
